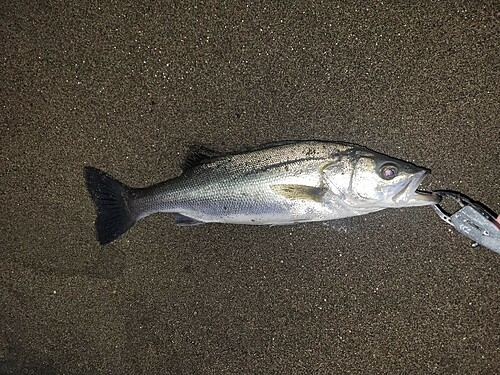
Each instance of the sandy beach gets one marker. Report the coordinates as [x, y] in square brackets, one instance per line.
[127, 88]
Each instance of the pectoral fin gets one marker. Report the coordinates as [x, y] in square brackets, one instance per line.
[293, 191]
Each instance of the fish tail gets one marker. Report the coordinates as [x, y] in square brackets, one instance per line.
[112, 200]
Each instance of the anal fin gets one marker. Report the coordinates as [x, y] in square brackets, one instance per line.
[186, 221]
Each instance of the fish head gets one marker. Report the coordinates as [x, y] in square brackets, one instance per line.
[373, 180]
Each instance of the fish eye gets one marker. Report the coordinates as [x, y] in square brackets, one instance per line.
[388, 171]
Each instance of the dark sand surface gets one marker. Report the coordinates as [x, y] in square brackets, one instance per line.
[127, 88]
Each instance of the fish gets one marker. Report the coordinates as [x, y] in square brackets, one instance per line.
[274, 184]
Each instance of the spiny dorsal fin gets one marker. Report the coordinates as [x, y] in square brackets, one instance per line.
[293, 191]
[196, 155]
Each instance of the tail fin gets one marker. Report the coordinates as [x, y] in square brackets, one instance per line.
[111, 198]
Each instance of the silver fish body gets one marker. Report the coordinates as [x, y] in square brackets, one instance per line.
[282, 183]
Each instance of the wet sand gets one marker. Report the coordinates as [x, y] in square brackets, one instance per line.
[127, 88]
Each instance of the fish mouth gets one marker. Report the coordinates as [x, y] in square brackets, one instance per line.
[410, 196]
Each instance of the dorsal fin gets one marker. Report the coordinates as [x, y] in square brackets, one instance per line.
[196, 155]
